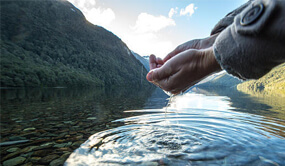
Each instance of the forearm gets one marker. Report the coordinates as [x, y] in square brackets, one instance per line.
[250, 51]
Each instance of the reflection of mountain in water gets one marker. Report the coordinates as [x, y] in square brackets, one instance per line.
[264, 96]
[104, 103]
[265, 106]
[275, 101]
[269, 90]
[58, 120]
[158, 99]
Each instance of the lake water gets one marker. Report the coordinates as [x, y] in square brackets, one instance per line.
[129, 126]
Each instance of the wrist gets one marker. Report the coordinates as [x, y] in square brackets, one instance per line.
[211, 64]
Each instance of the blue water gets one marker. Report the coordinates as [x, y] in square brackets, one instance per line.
[196, 128]
[132, 126]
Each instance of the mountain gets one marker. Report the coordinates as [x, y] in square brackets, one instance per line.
[50, 43]
[271, 84]
[143, 61]
[221, 79]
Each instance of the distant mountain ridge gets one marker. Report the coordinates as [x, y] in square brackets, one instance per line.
[50, 43]
[143, 61]
[273, 83]
[220, 80]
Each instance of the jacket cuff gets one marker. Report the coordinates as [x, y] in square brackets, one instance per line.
[225, 66]
[254, 44]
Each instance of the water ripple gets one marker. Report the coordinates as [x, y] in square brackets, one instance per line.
[187, 137]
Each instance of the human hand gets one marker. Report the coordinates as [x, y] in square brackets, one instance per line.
[156, 62]
[184, 70]
[192, 44]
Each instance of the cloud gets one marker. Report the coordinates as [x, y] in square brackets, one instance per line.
[172, 12]
[149, 23]
[95, 15]
[146, 37]
[102, 17]
[148, 43]
[189, 10]
[83, 4]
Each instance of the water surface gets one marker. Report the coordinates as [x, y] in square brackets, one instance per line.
[129, 126]
[198, 128]
[43, 126]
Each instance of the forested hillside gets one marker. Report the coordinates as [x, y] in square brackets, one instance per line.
[143, 61]
[50, 43]
[273, 83]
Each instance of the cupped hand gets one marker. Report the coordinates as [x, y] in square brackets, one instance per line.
[192, 44]
[155, 62]
[183, 70]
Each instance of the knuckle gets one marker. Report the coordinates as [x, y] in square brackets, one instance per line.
[178, 48]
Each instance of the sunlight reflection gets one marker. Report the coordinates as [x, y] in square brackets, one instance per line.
[200, 101]
[193, 129]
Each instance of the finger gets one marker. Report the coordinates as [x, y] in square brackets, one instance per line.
[159, 61]
[173, 53]
[152, 62]
[170, 55]
[176, 83]
[192, 44]
[158, 74]
[149, 76]
[158, 65]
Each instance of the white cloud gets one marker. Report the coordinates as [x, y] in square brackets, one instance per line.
[189, 10]
[83, 4]
[172, 12]
[149, 23]
[148, 43]
[95, 15]
[146, 37]
[102, 17]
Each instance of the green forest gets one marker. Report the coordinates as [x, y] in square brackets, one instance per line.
[273, 83]
[50, 43]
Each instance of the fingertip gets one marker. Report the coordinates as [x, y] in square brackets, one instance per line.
[149, 76]
[159, 61]
[152, 61]
[152, 57]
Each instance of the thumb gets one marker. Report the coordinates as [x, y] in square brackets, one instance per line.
[157, 74]
[149, 75]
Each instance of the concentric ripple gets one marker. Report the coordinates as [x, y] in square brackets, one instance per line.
[189, 137]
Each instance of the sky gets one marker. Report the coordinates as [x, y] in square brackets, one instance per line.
[156, 26]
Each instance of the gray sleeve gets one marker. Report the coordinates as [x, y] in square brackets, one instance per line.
[255, 42]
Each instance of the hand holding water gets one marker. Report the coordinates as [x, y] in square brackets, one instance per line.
[168, 77]
[192, 44]
[183, 70]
